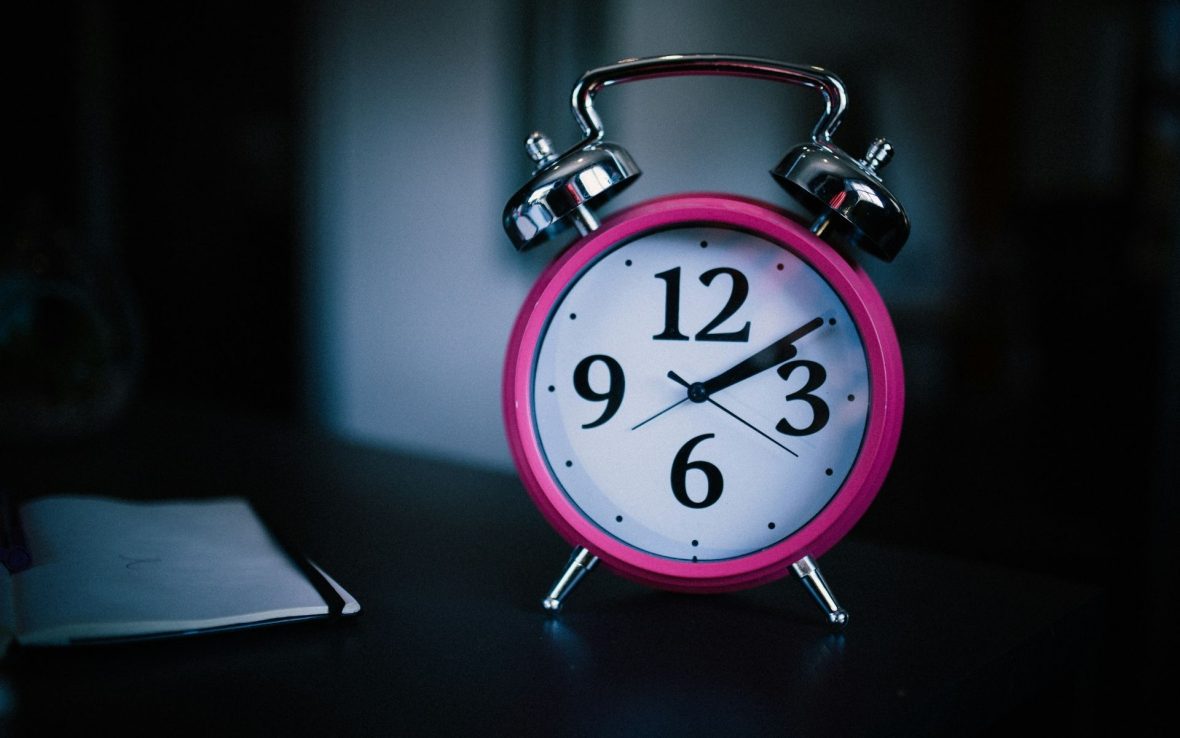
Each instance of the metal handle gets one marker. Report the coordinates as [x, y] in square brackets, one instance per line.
[630, 70]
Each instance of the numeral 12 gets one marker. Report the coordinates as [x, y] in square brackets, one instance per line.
[739, 289]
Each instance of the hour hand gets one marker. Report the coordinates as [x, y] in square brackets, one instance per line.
[776, 353]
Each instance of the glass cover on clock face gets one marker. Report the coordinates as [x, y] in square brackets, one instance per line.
[700, 393]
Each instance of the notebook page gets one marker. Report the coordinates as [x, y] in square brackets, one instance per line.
[107, 568]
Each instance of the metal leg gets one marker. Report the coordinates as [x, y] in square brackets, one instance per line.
[808, 572]
[581, 561]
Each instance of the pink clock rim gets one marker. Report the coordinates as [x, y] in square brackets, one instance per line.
[863, 482]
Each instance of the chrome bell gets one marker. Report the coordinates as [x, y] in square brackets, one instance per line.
[564, 189]
[845, 196]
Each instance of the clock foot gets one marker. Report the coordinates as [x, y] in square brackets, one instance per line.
[809, 573]
[581, 561]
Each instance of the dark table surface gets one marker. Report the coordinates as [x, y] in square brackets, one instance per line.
[450, 563]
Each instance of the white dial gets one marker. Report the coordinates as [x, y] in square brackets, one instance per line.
[700, 393]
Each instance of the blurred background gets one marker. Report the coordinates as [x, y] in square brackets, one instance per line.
[293, 211]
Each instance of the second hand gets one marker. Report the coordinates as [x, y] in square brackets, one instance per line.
[645, 422]
[681, 381]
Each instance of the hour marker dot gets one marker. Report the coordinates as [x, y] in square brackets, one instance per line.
[828, 472]
[573, 316]
[704, 244]
[851, 398]
[570, 463]
[831, 321]
[770, 526]
[778, 267]
[696, 543]
[628, 262]
[618, 518]
[552, 388]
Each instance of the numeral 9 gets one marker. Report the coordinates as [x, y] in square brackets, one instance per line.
[613, 397]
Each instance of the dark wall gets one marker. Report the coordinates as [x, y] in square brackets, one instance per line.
[154, 172]
[205, 135]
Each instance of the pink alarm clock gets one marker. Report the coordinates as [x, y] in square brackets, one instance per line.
[704, 392]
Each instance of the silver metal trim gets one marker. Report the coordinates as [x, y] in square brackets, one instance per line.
[828, 182]
[813, 580]
[581, 562]
[677, 65]
[563, 190]
[565, 186]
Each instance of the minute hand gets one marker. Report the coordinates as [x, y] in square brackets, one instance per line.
[773, 355]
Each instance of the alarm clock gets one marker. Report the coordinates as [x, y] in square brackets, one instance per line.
[703, 392]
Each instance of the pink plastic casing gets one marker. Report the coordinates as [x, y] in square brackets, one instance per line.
[868, 311]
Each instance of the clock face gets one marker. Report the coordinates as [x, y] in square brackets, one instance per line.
[698, 393]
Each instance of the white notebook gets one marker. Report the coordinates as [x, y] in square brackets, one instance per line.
[108, 569]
